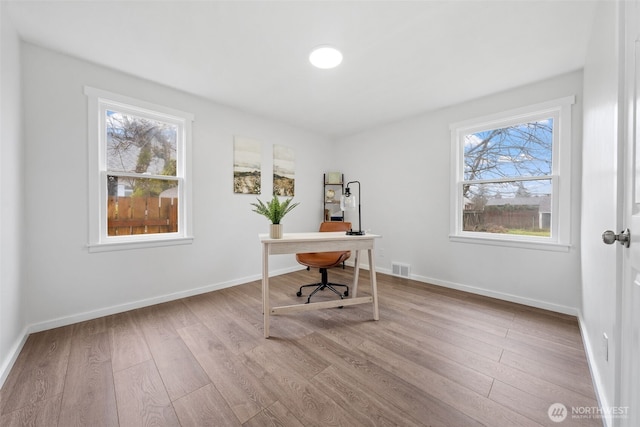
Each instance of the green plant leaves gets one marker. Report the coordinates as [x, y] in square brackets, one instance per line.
[274, 210]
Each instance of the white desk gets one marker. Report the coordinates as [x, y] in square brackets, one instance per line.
[292, 243]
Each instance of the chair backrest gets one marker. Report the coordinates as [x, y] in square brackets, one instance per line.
[335, 226]
[326, 259]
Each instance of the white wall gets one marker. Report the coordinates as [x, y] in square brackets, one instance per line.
[65, 282]
[12, 313]
[600, 198]
[404, 170]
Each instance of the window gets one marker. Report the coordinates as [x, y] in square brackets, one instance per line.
[139, 169]
[511, 175]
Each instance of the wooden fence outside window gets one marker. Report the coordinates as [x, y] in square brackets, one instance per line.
[141, 215]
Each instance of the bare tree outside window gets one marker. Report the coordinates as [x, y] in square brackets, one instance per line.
[141, 146]
[507, 181]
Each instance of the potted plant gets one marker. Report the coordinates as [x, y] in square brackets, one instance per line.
[274, 211]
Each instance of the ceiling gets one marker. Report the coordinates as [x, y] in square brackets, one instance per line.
[401, 58]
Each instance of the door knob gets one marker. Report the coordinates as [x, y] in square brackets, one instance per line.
[609, 237]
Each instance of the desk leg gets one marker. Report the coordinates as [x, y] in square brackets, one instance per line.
[356, 275]
[374, 286]
[266, 309]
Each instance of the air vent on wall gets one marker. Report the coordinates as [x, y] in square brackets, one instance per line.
[400, 269]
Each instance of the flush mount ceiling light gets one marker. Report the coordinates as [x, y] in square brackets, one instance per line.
[325, 57]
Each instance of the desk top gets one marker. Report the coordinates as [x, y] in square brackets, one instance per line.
[326, 241]
[316, 236]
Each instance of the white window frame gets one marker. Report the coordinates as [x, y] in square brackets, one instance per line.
[98, 102]
[560, 239]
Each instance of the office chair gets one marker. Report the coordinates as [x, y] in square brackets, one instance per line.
[325, 260]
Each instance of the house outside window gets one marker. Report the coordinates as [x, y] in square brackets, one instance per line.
[511, 177]
[139, 158]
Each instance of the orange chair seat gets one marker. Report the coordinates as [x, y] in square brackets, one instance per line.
[322, 259]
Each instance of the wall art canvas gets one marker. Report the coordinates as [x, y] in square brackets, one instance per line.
[247, 165]
[284, 162]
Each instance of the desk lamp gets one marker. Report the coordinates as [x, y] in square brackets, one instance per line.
[348, 201]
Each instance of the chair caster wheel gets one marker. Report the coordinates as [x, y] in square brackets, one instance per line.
[346, 293]
[299, 293]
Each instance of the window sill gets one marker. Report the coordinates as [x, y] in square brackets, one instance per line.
[138, 244]
[511, 243]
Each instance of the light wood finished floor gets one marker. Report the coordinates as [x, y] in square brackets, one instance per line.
[437, 357]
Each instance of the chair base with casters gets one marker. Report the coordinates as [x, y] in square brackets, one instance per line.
[324, 261]
[324, 284]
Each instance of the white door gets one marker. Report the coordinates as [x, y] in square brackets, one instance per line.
[628, 414]
[602, 201]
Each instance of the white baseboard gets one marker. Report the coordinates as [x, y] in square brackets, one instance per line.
[545, 305]
[595, 373]
[94, 314]
[12, 356]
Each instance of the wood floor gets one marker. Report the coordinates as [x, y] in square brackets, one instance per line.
[436, 357]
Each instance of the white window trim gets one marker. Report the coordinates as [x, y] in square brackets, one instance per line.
[98, 239]
[560, 239]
